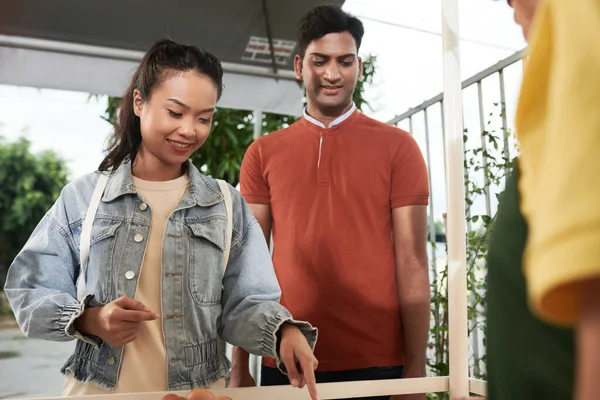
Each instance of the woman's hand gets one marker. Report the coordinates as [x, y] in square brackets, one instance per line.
[116, 323]
[196, 394]
[295, 352]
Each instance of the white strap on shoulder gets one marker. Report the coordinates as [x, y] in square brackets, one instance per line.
[229, 209]
[86, 232]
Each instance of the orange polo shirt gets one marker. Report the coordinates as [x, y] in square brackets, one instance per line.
[331, 192]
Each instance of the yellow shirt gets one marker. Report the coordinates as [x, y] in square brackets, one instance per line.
[558, 121]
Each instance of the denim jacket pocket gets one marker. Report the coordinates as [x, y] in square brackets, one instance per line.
[207, 244]
[103, 243]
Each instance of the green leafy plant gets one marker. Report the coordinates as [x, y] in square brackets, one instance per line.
[486, 165]
[30, 185]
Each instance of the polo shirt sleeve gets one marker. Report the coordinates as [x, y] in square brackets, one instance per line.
[561, 192]
[409, 183]
[253, 185]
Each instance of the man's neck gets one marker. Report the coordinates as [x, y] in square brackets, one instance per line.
[326, 116]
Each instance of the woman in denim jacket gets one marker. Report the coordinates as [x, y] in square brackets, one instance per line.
[156, 299]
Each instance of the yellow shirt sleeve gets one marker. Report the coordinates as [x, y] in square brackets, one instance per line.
[558, 122]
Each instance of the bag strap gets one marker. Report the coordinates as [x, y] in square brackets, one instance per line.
[86, 232]
[229, 210]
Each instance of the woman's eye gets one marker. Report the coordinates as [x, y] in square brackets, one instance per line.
[174, 114]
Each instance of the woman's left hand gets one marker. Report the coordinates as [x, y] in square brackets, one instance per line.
[295, 353]
[196, 394]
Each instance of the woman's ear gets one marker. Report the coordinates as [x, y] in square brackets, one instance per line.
[138, 103]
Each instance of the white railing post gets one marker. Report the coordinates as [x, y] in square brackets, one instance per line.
[456, 236]
[258, 120]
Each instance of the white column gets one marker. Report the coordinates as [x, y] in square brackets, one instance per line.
[456, 235]
[257, 117]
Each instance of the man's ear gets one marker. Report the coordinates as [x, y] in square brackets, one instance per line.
[360, 69]
[298, 67]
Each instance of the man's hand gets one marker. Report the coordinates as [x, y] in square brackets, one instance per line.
[241, 377]
[196, 394]
[240, 372]
[412, 371]
[116, 323]
[295, 351]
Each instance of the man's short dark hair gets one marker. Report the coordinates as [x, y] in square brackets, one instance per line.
[325, 19]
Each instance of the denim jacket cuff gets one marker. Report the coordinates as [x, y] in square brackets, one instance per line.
[270, 343]
[66, 320]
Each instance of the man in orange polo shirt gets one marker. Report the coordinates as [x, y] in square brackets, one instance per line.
[345, 198]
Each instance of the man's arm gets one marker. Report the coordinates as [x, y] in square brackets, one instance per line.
[262, 213]
[588, 345]
[412, 276]
[240, 371]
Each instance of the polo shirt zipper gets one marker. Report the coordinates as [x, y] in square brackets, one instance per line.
[320, 147]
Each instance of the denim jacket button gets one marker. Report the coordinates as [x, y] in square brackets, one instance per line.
[138, 238]
[143, 206]
[129, 275]
[111, 361]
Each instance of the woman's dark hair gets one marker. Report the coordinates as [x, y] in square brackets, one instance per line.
[325, 19]
[164, 59]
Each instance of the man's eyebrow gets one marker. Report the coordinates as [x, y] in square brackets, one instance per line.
[325, 56]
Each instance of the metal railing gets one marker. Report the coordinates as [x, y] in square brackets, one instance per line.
[428, 111]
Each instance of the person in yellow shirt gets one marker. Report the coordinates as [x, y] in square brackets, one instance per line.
[544, 251]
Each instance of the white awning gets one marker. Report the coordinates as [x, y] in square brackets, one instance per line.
[59, 65]
[93, 46]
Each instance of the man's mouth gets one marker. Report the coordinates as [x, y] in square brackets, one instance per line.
[331, 89]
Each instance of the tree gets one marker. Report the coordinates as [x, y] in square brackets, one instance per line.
[30, 183]
[233, 131]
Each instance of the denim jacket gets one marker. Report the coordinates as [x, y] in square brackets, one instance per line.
[199, 305]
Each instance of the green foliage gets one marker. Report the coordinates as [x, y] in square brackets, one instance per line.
[486, 166]
[30, 185]
[233, 131]
[369, 68]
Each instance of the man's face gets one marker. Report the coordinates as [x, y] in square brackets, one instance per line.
[330, 69]
[524, 13]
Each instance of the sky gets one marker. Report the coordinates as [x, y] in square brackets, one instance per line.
[404, 34]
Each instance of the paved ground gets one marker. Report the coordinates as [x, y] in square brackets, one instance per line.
[30, 367]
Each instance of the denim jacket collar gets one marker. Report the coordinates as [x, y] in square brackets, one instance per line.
[201, 191]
